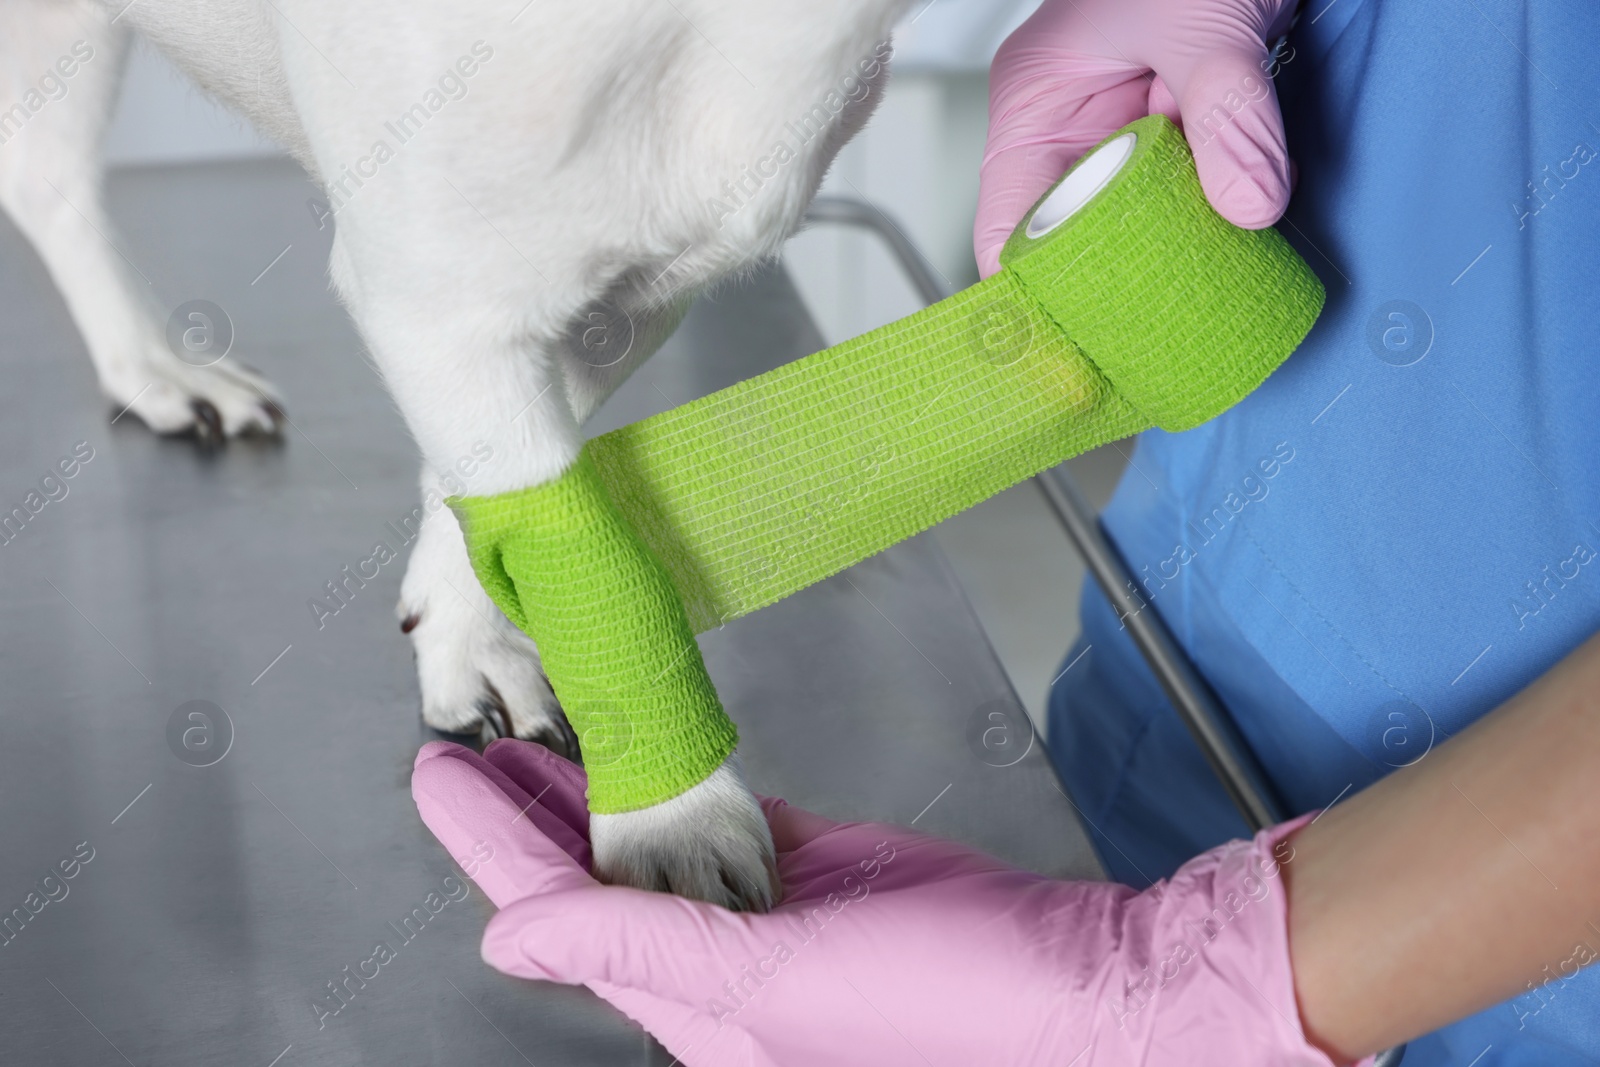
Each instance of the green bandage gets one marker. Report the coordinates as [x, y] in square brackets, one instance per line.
[566, 568]
[1143, 307]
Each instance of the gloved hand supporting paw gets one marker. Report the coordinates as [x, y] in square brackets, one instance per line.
[888, 946]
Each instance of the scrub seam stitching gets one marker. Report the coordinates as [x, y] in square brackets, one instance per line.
[1337, 633]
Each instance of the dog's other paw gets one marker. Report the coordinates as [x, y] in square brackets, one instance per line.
[210, 402]
[711, 843]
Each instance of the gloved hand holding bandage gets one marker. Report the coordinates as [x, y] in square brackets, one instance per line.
[1126, 302]
[1078, 69]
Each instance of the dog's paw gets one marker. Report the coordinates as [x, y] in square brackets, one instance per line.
[711, 843]
[211, 402]
[473, 665]
[473, 671]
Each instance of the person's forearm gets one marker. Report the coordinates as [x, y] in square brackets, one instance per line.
[1453, 883]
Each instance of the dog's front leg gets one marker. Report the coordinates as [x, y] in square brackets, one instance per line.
[482, 391]
[473, 664]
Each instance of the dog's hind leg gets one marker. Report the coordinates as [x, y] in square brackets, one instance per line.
[60, 65]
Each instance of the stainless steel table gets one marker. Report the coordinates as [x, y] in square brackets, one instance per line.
[220, 900]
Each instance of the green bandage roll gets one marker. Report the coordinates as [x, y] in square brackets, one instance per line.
[1124, 302]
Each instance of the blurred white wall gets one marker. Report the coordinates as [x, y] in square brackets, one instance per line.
[163, 118]
[917, 160]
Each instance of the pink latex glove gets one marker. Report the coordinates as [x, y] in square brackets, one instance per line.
[888, 947]
[1078, 70]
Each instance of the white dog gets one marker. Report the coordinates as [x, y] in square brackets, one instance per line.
[496, 169]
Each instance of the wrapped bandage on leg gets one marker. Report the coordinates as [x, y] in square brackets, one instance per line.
[570, 572]
[1124, 302]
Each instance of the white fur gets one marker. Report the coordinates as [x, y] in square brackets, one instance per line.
[50, 184]
[712, 843]
[578, 169]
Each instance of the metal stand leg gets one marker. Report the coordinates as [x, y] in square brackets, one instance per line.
[1213, 729]
[848, 211]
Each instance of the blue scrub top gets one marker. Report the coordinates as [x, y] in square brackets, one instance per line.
[1401, 528]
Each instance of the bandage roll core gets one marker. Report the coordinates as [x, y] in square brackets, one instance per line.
[1123, 302]
[1183, 312]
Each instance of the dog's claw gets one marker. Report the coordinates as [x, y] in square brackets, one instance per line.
[207, 422]
[492, 706]
[275, 414]
[558, 737]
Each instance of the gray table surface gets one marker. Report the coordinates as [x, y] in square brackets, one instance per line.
[220, 900]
